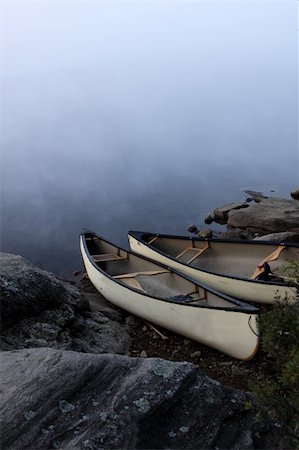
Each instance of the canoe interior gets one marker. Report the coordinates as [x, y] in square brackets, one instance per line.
[147, 277]
[229, 258]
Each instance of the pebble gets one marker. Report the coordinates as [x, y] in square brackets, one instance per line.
[143, 354]
[225, 363]
[144, 328]
[195, 354]
[236, 371]
[187, 341]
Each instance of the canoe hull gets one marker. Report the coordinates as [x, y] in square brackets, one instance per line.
[245, 290]
[232, 332]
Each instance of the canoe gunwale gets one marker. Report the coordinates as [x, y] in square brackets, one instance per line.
[202, 239]
[239, 306]
[138, 236]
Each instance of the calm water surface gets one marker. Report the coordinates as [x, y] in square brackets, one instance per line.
[140, 117]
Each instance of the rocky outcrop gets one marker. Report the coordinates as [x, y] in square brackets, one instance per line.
[68, 400]
[266, 215]
[271, 214]
[27, 290]
[39, 310]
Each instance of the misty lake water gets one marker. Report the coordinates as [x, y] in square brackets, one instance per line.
[110, 126]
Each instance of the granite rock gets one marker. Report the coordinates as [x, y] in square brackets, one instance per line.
[69, 400]
[273, 215]
[221, 213]
[286, 236]
[39, 310]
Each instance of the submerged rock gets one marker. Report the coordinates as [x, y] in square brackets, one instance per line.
[256, 195]
[39, 310]
[70, 400]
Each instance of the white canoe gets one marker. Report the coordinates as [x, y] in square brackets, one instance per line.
[162, 296]
[225, 265]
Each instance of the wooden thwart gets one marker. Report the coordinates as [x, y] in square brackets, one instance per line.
[153, 240]
[198, 295]
[272, 257]
[146, 272]
[196, 252]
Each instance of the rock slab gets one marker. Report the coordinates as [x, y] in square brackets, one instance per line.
[286, 236]
[221, 213]
[272, 214]
[69, 400]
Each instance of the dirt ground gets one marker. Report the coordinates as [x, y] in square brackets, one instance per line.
[149, 340]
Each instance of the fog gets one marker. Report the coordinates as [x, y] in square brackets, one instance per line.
[126, 115]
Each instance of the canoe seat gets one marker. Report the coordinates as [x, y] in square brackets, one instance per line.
[272, 257]
[192, 252]
[146, 272]
[107, 257]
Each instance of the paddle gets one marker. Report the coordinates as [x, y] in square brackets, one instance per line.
[272, 257]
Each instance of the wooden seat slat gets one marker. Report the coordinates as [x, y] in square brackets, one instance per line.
[146, 272]
[197, 251]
